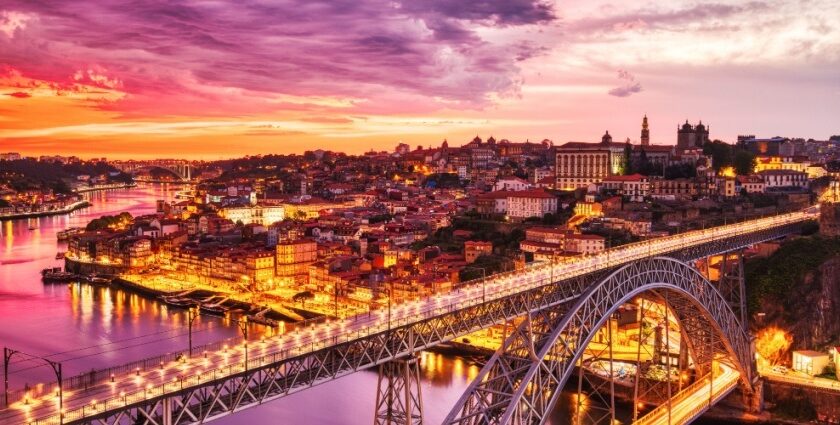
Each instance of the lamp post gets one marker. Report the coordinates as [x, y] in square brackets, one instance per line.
[243, 326]
[192, 314]
[388, 292]
[483, 281]
[8, 353]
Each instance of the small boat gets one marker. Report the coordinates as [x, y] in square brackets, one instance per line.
[95, 279]
[55, 274]
[214, 309]
[59, 255]
[179, 302]
[33, 227]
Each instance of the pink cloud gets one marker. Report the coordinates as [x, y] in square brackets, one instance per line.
[177, 58]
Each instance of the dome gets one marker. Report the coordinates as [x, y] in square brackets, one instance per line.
[686, 126]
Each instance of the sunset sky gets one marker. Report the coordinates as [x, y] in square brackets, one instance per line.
[211, 79]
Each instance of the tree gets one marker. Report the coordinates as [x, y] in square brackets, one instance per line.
[772, 343]
[628, 158]
[744, 162]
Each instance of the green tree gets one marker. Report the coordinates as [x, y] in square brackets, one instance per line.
[744, 162]
[627, 162]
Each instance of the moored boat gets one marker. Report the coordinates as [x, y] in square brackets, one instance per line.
[56, 274]
[214, 309]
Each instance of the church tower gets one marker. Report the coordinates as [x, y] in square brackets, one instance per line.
[645, 132]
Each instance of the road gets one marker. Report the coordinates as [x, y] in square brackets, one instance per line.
[695, 399]
[798, 378]
[174, 376]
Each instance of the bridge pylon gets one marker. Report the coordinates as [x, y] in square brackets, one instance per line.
[398, 397]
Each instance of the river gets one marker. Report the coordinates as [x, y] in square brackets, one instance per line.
[87, 327]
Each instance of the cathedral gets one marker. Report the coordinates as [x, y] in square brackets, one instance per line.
[690, 137]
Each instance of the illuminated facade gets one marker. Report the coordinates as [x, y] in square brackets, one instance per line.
[293, 260]
[258, 214]
[580, 164]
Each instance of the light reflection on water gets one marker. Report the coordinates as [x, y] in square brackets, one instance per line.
[95, 327]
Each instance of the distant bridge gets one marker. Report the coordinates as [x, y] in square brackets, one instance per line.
[553, 311]
[180, 169]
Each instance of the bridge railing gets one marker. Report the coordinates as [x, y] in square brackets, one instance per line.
[378, 324]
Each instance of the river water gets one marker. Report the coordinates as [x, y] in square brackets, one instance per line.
[88, 327]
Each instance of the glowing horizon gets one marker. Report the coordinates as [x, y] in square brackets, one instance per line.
[216, 79]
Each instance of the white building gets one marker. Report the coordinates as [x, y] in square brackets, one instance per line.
[511, 183]
[811, 362]
[635, 186]
[584, 244]
[258, 214]
[530, 203]
[784, 178]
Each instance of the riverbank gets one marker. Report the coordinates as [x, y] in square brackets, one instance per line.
[105, 187]
[43, 213]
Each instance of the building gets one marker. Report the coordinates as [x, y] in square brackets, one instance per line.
[771, 146]
[635, 187]
[511, 183]
[784, 179]
[579, 164]
[260, 269]
[690, 137]
[265, 215]
[811, 362]
[530, 203]
[9, 156]
[578, 243]
[674, 189]
[293, 260]
[475, 249]
[545, 242]
[751, 184]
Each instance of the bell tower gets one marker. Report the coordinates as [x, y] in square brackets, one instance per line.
[645, 132]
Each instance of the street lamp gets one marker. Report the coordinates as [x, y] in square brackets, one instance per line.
[388, 292]
[192, 314]
[483, 281]
[243, 326]
[8, 353]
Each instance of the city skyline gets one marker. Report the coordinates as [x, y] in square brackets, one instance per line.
[210, 81]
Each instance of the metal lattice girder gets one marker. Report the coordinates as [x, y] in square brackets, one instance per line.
[285, 372]
[525, 394]
[398, 396]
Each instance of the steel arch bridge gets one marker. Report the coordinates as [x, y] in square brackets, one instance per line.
[543, 351]
[562, 305]
[180, 169]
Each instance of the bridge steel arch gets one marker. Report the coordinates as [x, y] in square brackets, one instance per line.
[522, 381]
[181, 172]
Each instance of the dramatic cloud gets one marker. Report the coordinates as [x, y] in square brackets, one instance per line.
[659, 19]
[19, 94]
[629, 87]
[204, 52]
[11, 21]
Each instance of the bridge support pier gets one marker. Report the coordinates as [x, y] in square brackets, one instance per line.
[166, 418]
[731, 284]
[398, 399]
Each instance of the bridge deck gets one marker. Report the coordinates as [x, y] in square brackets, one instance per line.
[435, 315]
[693, 401]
